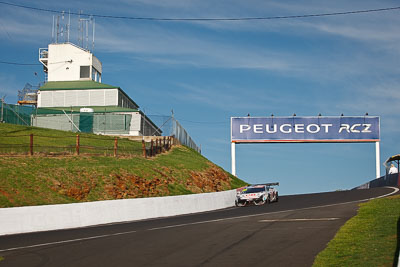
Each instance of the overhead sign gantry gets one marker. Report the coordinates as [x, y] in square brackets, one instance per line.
[294, 129]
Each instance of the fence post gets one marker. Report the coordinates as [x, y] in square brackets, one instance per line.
[31, 145]
[144, 148]
[77, 146]
[115, 146]
[151, 151]
[164, 148]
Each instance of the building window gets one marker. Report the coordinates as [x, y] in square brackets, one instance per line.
[85, 72]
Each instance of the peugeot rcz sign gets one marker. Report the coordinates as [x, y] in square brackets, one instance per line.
[305, 129]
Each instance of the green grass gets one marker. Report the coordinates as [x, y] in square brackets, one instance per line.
[368, 239]
[40, 180]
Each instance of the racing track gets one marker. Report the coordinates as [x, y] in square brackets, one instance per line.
[288, 233]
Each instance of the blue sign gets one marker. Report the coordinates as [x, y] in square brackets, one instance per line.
[305, 129]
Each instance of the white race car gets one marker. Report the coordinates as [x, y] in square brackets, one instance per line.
[258, 194]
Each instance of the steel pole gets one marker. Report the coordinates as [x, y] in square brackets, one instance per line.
[378, 159]
[233, 158]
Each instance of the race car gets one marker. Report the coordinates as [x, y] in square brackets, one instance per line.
[257, 194]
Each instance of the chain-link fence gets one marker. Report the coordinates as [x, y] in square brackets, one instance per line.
[105, 123]
[15, 114]
[171, 127]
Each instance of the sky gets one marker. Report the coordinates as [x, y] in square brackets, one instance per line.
[210, 71]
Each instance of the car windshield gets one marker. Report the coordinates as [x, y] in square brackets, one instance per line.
[253, 190]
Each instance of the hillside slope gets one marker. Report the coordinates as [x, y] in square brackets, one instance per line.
[40, 180]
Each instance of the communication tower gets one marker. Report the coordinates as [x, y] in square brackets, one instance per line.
[61, 29]
[83, 31]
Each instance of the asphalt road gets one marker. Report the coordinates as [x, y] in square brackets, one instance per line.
[288, 233]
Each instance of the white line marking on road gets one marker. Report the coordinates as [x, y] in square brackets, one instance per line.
[67, 241]
[300, 220]
[195, 223]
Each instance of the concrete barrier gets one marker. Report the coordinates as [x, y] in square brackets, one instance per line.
[386, 180]
[53, 217]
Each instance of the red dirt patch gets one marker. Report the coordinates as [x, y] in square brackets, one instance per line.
[212, 180]
[133, 186]
[128, 185]
[7, 195]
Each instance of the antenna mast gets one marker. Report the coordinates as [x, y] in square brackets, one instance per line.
[69, 24]
[57, 33]
[83, 31]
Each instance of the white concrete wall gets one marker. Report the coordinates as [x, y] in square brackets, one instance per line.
[65, 60]
[136, 120]
[141, 126]
[64, 216]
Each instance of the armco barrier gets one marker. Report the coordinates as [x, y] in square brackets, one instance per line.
[64, 216]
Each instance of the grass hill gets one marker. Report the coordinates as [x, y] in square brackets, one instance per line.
[66, 178]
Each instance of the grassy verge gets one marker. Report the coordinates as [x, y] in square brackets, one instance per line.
[368, 239]
[40, 180]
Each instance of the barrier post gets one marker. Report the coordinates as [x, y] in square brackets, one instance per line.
[144, 149]
[151, 148]
[77, 144]
[164, 148]
[377, 160]
[31, 145]
[115, 146]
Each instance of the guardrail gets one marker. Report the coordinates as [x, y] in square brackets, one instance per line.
[63, 216]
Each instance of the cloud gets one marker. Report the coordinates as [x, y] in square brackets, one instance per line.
[235, 99]
[20, 25]
[204, 46]
[207, 45]
[172, 44]
[161, 45]
[380, 99]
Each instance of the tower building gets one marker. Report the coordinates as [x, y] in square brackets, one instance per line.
[74, 97]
